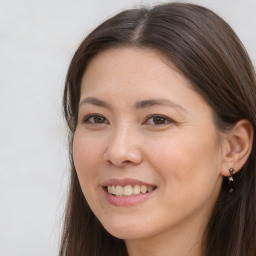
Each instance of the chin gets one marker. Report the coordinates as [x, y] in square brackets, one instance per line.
[126, 235]
[127, 232]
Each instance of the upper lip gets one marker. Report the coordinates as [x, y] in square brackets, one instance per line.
[125, 182]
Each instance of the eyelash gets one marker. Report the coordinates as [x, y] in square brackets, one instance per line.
[87, 119]
[160, 118]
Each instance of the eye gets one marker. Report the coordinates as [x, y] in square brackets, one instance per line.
[95, 119]
[158, 120]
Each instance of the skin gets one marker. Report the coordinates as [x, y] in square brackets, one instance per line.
[180, 153]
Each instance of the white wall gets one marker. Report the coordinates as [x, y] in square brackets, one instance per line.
[37, 40]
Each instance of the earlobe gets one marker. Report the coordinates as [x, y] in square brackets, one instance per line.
[239, 140]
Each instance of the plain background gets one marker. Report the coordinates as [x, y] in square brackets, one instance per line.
[37, 40]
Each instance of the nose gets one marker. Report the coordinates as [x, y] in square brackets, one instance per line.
[124, 148]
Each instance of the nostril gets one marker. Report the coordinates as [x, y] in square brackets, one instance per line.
[109, 162]
[126, 162]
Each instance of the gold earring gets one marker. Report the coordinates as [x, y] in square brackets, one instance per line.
[231, 180]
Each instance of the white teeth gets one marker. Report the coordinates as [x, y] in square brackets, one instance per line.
[119, 191]
[129, 190]
[150, 189]
[113, 190]
[143, 189]
[136, 189]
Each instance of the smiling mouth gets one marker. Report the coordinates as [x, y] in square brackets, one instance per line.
[129, 190]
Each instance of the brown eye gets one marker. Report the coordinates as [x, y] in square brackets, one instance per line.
[98, 119]
[95, 119]
[158, 120]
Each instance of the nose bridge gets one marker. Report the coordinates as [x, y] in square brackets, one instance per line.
[123, 147]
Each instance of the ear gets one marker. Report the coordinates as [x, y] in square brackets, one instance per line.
[238, 146]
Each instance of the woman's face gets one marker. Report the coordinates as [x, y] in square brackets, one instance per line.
[146, 149]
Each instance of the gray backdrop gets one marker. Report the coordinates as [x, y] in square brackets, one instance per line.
[37, 40]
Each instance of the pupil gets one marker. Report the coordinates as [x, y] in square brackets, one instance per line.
[159, 120]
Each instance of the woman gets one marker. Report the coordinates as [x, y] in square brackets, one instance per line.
[161, 109]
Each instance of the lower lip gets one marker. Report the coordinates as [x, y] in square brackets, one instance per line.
[127, 200]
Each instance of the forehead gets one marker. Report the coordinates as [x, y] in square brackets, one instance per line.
[130, 66]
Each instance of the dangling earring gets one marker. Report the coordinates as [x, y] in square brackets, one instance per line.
[231, 180]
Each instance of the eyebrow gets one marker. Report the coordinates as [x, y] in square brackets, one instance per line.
[95, 101]
[158, 102]
[138, 105]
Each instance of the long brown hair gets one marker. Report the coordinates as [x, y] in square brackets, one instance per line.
[206, 51]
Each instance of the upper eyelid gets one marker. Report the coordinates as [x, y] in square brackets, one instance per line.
[168, 119]
[86, 117]
[159, 115]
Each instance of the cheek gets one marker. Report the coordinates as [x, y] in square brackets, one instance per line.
[86, 156]
[188, 165]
